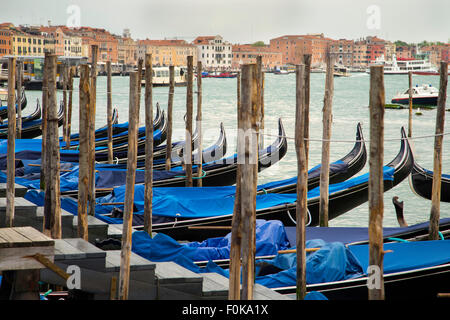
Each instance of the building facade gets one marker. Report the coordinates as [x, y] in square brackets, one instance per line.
[342, 50]
[167, 52]
[214, 52]
[246, 53]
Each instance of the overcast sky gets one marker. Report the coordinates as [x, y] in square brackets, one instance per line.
[243, 21]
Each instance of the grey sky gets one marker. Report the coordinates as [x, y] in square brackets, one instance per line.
[244, 21]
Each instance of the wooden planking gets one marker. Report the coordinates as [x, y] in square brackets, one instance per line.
[13, 239]
[136, 262]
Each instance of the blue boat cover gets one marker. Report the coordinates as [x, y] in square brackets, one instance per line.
[270, 238]
[212, 201]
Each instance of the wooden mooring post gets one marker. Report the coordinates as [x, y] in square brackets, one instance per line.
[234, 286]
[65, 80]
[148, 193]
[109, 111]
[169, 118]
[302, 178]
[124, 275]
[307, 83]
[376, 205]
[260, 86]
[199, 125]
[437, 158]
[52, 200]
[69, 106]
[326, 135]
[91, 152]
[189, 110]
[83, 181]
[410, 104]
[11, 157]
[19, 82]
[44, 120]
[248, 155]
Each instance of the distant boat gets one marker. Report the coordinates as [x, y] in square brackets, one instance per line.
[340, 71]
[423, 95]
[161, 77]
[219, 75]
[403, 66]
[281, 72]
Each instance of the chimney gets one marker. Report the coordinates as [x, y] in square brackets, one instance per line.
[49, 23]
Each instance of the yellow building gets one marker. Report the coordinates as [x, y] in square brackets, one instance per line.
[167, 52]
[24, 44]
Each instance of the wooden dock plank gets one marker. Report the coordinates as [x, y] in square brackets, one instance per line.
[13, 239]
[37, 238]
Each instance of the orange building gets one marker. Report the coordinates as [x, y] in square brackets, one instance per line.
[106, 42]
[293, 47]
[342, 50]
[5, 41]
[246, 53]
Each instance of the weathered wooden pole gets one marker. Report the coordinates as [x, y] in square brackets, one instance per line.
[64, 74]
[189, 111]
[93, 102]
[44, 120]
[248, 155]
[69, 107]
[376, 205]
[234, 291]
[307, 76]
[52, 200]
[169, 118]
[109, 111]
[199, 125]
[326, 135]
[410, 104]
[140, 65]
[260, 99]
[148, 193]
[302, 178]
[124, 275]
[19, 81]
[83, 179]
[11, 157]
[437, 159]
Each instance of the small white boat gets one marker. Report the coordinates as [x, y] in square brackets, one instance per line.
[422, 95]
[161, 76]
[340, 71]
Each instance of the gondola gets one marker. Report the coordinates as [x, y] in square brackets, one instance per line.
[343, 197]
[120, 139]
[32, 129]
[101, 132]
[109, 177]
[4, 109]
[340, 170]
[421, 183]
[35, 115]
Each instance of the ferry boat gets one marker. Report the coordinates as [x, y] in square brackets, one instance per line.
[219, 75]
[340, 71]
[161, 77]
[422, 95]
[403, 66]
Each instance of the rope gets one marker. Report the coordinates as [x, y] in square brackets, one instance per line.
[203, 175]
[353, 141]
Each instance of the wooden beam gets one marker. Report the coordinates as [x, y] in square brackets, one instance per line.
[11, 157]
[234, 291]
[83, 179]
[69, 107]
[410, 104]
[437, 158]
[326, 136]
[307, 75]
[376, 205]
[169, 118]
[19, 81]
[124, 276]
[302, 178]
[248, 152]
[109, 112]
[199, 125]
[148, 192]
[44, 120]
[52, 200]
[91, 152]
[189, 111]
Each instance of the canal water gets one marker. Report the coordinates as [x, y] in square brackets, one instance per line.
[350, 106]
